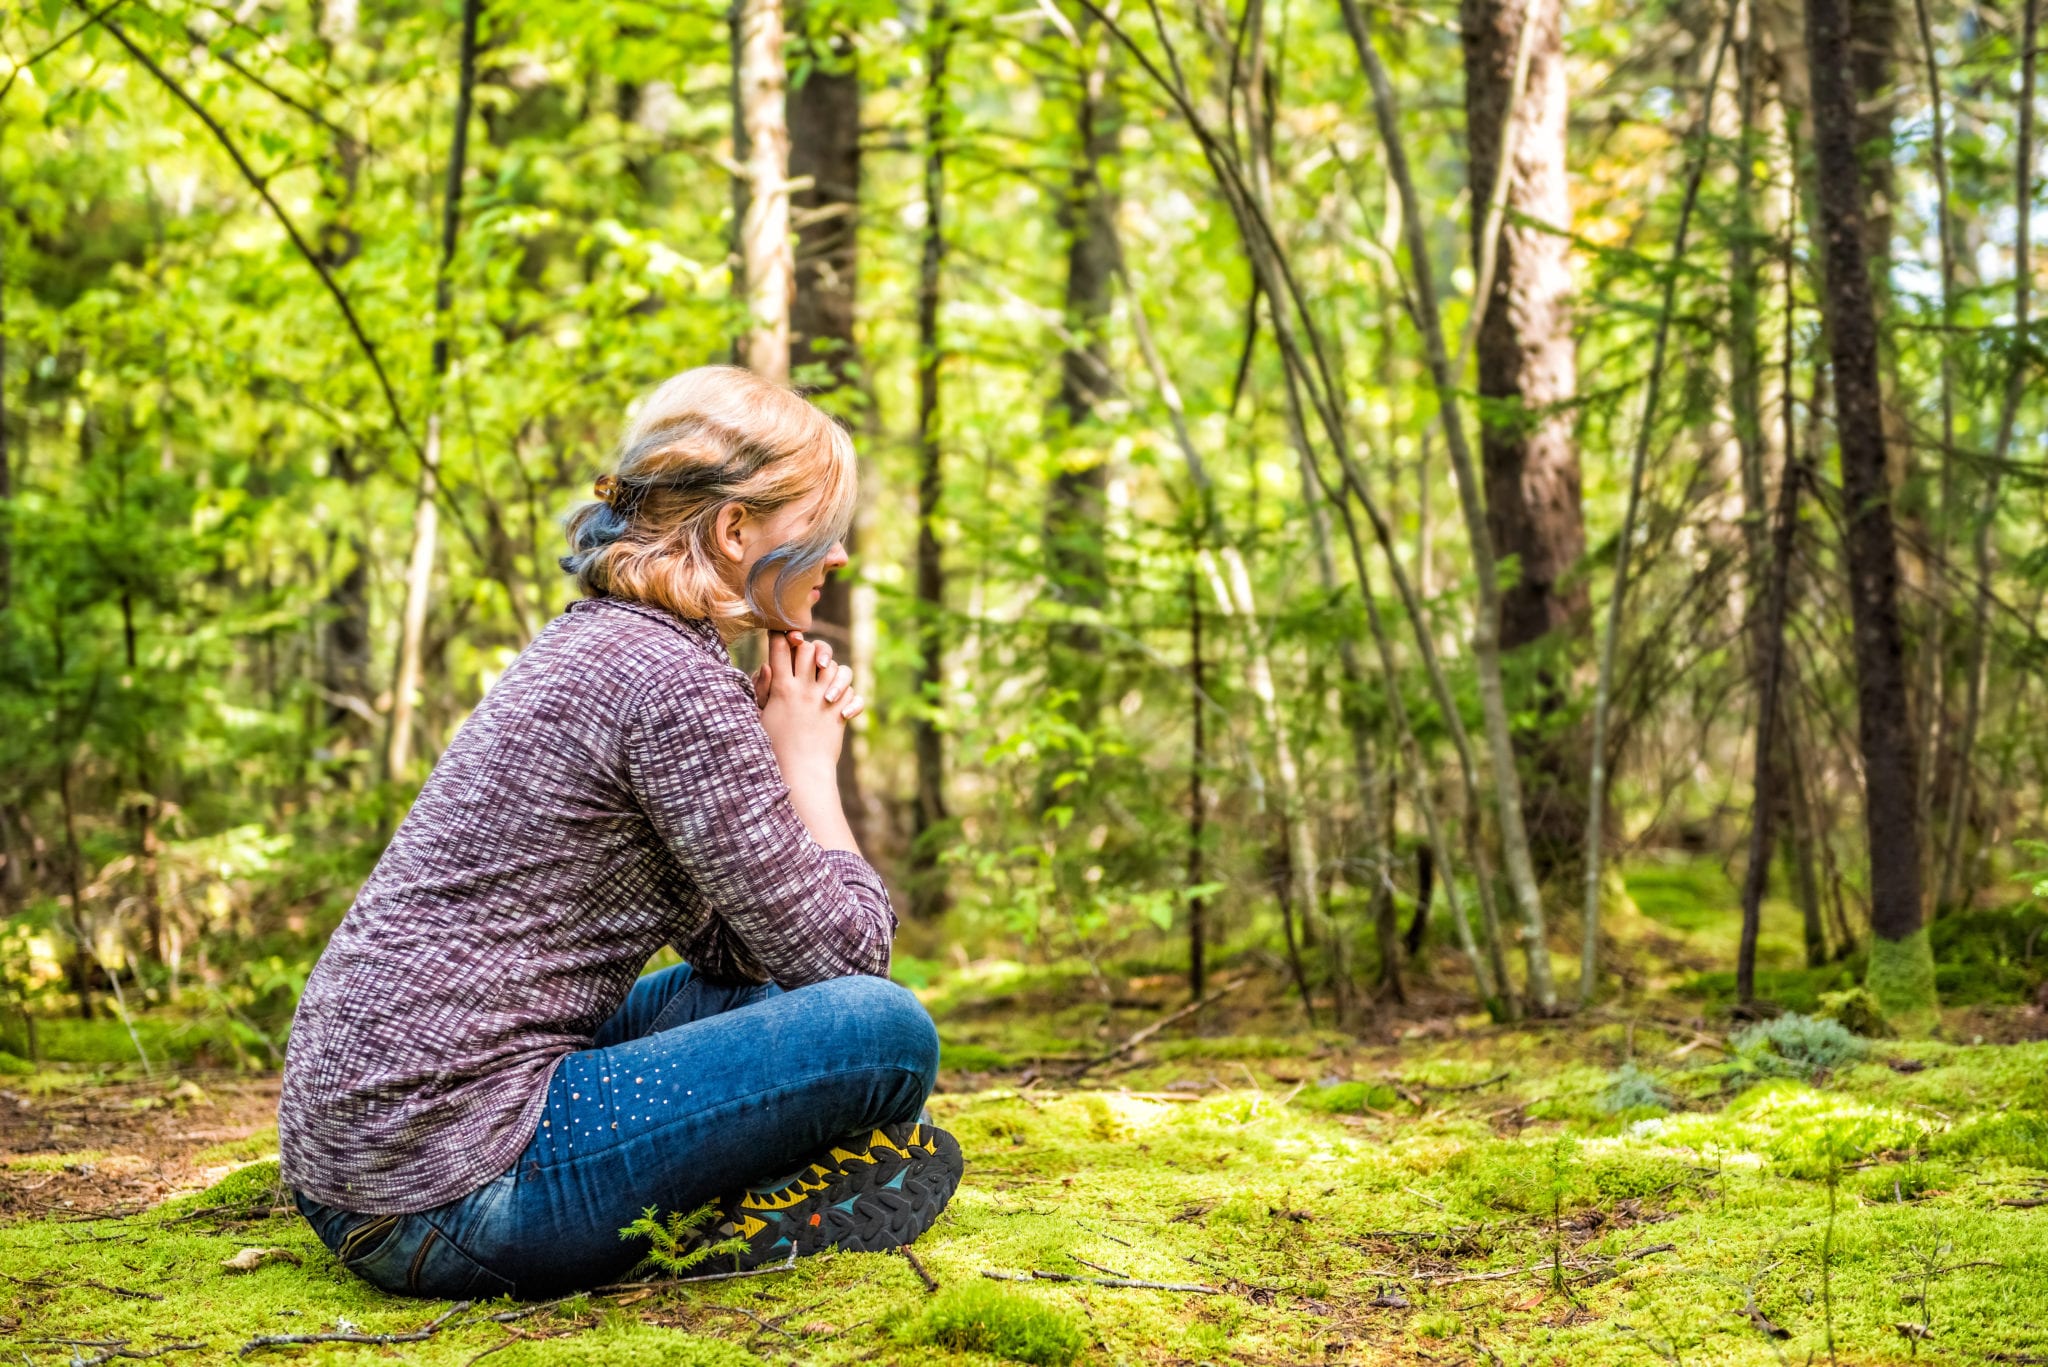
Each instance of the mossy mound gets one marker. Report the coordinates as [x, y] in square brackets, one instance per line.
[981, 1317]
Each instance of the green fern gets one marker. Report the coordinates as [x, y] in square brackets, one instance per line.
[672, 1244]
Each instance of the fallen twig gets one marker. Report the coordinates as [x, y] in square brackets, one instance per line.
[1107, 1271]
[1129, 1282]
[1156, 1026]
[1467, 1087]
[931, 1283]
[420, 1335]
[1576, 1264]
[138, 1354]
[45, 1284]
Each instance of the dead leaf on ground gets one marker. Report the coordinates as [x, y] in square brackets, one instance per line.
[249, 1259]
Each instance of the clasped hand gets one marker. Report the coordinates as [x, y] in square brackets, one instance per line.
[806, 700]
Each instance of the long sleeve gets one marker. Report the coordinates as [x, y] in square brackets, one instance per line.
[701, 766]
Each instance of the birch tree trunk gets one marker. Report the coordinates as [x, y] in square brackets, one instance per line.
[426, 520]
[767, 263]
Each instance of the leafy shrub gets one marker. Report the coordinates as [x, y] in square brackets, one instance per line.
[1796, 1046]
[1633, 1092]
[977, 1317]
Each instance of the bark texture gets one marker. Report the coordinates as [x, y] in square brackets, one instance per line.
[1528, 377]
[1870, 544]
[824, 150]
[1074, 533]
[927, 889]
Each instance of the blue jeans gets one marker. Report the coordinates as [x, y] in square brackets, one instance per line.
[692, 1091]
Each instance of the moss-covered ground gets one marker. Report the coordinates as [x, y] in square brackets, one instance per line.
[1641, 1187]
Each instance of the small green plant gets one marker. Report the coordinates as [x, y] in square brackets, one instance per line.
[976, 1317]
[1631, 1091]
[1795, 1046]
[677, 1245]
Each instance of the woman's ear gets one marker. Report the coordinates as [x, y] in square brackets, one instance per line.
[727, 535]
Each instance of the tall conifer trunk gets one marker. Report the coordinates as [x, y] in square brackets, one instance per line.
[824, 161]
[928, 889]
[1074, 532]
[1901, 968]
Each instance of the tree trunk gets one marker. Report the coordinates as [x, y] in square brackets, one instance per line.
[928, 887]
[767, 263]
[824, 159]
[1076, 553]
[1901, 967]
[419, 573]
[1198, 798]
[1485, 640]
[1528, 378]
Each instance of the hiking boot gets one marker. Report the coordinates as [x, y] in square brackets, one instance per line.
[861, 1196]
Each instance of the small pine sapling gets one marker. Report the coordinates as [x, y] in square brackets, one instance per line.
[676, 1245]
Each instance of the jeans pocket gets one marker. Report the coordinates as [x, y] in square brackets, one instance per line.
[408, 1255]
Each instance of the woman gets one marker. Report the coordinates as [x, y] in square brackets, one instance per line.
[478, 1094]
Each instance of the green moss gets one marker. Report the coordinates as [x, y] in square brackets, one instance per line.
[1901, 977]
[258, 1184]
[623, 1343]
[1349, 1098]
[980, 1317]
[2019, 1137]
[973, 1058]
[1796, 1046]
[11, 1066]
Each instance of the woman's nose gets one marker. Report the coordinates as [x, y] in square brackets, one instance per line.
[836, 558]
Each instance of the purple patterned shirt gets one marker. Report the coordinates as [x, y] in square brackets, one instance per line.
[613, 793]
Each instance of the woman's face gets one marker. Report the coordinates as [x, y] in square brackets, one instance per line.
[745, 539]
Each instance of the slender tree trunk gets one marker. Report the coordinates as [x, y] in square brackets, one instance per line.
[928, 890]
[1603, 688]
[1485, 640]
[1901, 968]
[1987, 512]
[768, 263]
[1198, 798]
[1076, 549]
[426, 522]
[1770, 641]
[80, 968]
[1528, 378]
[6, 445]
[824, 160]
[1932, 692]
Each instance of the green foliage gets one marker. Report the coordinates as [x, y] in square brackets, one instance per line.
[681, 1242]
[2019, 1137]
[257, 1184]
[1795, 1046]
[981, 1317]
[1633, 1093]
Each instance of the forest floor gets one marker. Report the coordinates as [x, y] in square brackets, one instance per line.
[1638, 1187]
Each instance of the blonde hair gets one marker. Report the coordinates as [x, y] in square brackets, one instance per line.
[706, 438]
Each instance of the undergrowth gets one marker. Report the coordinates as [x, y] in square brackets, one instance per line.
[1524, 1195]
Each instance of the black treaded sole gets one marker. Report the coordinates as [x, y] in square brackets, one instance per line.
[862, 1197]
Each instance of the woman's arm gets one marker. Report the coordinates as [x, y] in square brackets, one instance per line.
[806, 702]
[702, 766]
